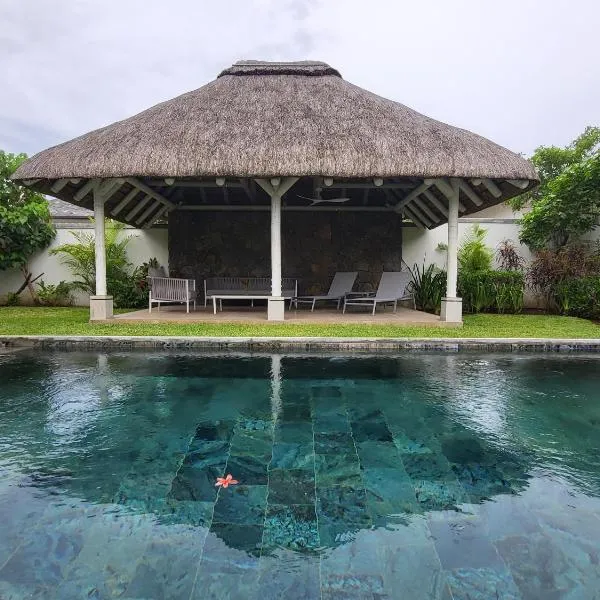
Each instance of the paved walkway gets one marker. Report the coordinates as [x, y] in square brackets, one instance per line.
[246, 314]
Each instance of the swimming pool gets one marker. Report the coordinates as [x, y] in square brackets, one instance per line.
[428, 476]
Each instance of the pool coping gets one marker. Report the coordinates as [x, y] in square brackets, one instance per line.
[306, 344]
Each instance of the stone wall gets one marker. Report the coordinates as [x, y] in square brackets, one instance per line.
[315, 246]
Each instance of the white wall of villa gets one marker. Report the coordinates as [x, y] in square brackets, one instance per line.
[145, 244]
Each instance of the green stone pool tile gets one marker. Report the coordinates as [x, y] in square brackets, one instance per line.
[182, 512]
[10, 591]
[225, 584]
[341, 513]
[260, 428]
[196, 478]
[338, 469]
[482, 584]
[440, 495]
[331, 424]
[291, 413]
[358, 556]
[286, 575]
[334, 443]
[242, 504]
[294, 432]
[168, 566]
[507, 515]
[372, 426]
[558, 566]
[212, 431]
[234, 546]
[412, 571]
[204, 454]
[578, 523]
[43, 558]
[482, 482]
[293, 456]
[291, 486]
[352, 586]
[327, 392]
[334, 408]
[379, 455]
[291, 527]
[428, 467]
[410, 444]
[390, 493]
[462, 541]
[244, 444]
[248, 470]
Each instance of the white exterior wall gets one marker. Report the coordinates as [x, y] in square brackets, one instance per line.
[145, 244]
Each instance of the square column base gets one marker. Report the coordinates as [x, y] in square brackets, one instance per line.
[451, 311]
[275, 309]
[101, 308]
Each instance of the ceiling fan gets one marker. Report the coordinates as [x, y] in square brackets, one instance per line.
[319, 200]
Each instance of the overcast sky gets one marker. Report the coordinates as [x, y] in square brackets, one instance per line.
[520, 72]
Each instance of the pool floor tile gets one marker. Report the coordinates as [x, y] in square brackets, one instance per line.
[293, 456]
[248, 470]
[286, 575]
[242, 504]
[462, 541]
[245, 538]
[293, 527]
[482, 584]
[334, 443]
[338, 469]
[291, 486]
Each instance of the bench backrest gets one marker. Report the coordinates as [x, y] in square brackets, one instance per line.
[171, 288]
[262, 285]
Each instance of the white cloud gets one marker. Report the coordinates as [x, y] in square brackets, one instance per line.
[521, 72]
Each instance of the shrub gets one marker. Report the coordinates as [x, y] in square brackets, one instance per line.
[579, 297]
[508, 258]
[428, 286]
[498, 291]
[551, 268]
[54, 295]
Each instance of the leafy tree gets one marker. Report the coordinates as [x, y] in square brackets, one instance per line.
[567, 203]
[25, 223]
[473, 255]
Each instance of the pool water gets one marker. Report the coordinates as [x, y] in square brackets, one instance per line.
[407, 477]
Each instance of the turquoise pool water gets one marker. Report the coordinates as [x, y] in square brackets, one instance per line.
[418, 476]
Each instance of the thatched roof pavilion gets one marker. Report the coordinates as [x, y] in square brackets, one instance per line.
[258, 125]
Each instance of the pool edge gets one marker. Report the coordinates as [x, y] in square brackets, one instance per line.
[383, 345]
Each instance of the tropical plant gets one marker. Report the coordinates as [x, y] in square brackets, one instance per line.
[428, 286]
[508, 258]
[55, 295]
[473, 255]
[122, 281]
[25, 223]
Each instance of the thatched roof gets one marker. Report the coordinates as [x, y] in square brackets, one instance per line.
[262, 119]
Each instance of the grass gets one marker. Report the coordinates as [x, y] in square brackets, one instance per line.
[74, 321]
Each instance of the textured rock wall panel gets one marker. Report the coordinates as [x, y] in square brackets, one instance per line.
[315, 246]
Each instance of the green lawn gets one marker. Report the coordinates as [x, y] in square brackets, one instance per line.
[74, 321]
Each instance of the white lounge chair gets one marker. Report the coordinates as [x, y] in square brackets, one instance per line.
[392, 288]
[340, 286]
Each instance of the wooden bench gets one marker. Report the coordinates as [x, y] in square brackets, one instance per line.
[241, 288]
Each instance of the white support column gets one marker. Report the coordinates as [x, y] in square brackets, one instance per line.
[451, 311]
[101, 305]
[276, 245]
[276, 188]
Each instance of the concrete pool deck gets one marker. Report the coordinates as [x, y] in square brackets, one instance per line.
[302, 344]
